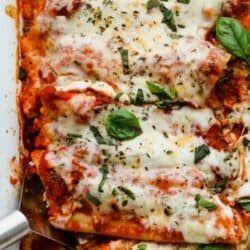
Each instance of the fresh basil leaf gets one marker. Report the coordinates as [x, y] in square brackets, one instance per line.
[215, 247]
[123, 125]
[201, 202]
[22, 74]
[99, 138]
[139, 99]
[152, 4]
[104, 170]
[128, 192]
[245, 204]
[233, 36]
[157, 89]
[93, 199]
[220, 185]
[183, 1]
[70, 138]
[168, 18]
[142, 247]
[125, 60]
[200, 153]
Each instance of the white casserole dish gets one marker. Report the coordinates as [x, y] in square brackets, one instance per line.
[9, 132]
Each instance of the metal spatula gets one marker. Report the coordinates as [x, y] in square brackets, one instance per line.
[31, 218]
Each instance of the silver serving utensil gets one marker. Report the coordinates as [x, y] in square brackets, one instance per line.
[31, 217]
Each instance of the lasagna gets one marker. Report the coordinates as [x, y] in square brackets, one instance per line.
[136, 116]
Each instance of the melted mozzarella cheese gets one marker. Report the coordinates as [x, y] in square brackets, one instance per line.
[179, 201]
[197, 17]
[84, 85]
[167, 141]
[244, 190]
[87, 45]
[193, 19]
[153, 48]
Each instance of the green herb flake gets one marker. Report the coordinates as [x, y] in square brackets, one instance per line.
[22, 74]
[220, 185]
[168, 211]
[215, 247]
[70, 138]
[124, 203]
[245, 204]
[128, 192]
[104, 170]
[246, 142]
[139, 99]
[201, 202]
[142, 246]
[99, 138]
[158, 90]
[93, 199]
[200, 153]
[117, 97]
[125, 60]
[168, 18]
[123, 125]
[183, 1]
[115, 192]
[175, 36]
[168, 105]
[234, 37]
[152, 4]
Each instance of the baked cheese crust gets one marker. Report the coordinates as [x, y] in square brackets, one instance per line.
[136, 116]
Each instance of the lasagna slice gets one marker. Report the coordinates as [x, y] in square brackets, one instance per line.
[97, 184]
[118, 41]
[136, 117]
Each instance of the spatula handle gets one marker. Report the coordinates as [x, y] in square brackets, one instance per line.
[12, 228]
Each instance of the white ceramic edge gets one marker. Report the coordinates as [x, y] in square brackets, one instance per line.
[8, 121]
